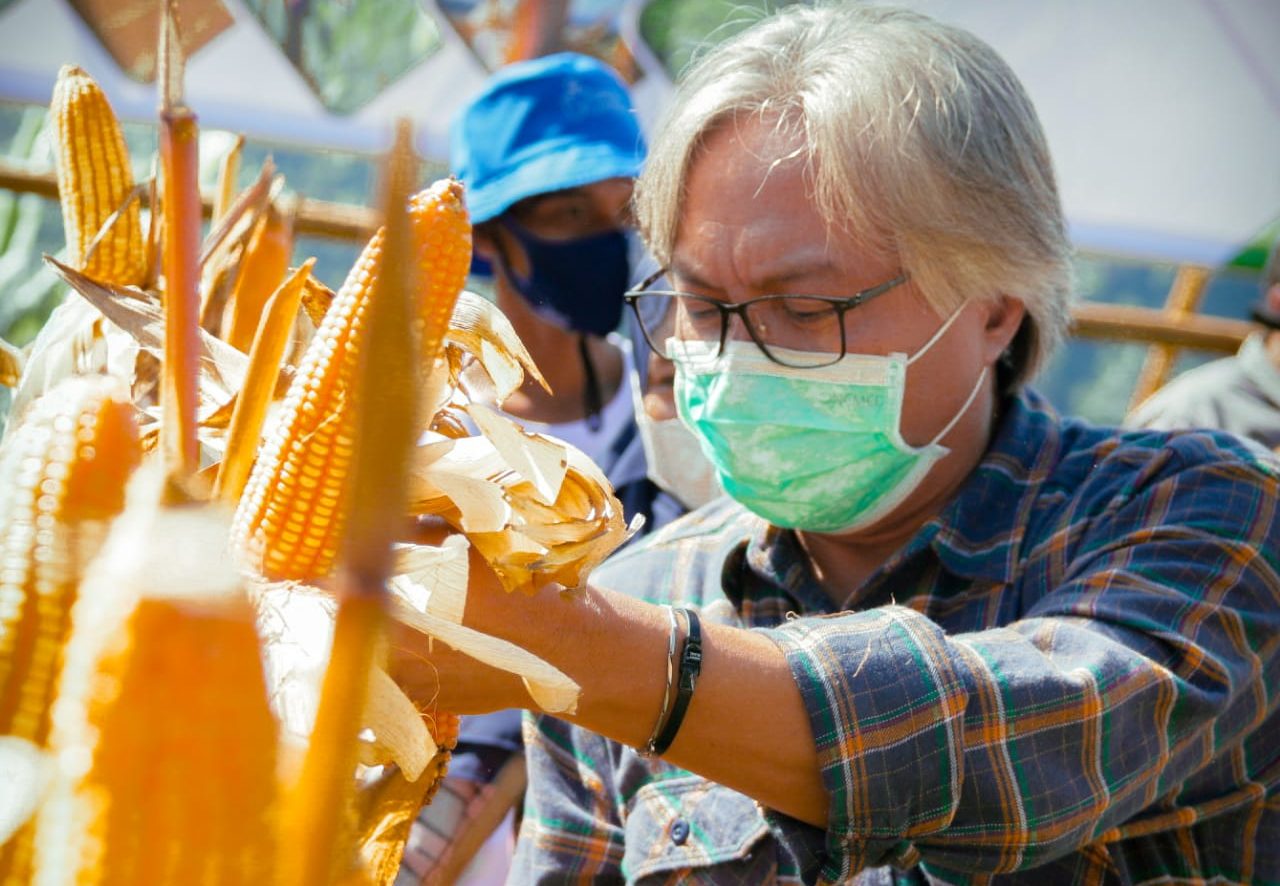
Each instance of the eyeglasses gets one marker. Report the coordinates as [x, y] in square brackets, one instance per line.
[803, 331]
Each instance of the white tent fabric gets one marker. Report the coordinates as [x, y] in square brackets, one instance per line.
[239, 81]
[1163, 115]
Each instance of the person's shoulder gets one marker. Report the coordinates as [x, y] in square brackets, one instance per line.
[1112, 465]
[1196, 397]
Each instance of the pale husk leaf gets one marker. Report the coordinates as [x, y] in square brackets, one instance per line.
[434, 579]
[481, 330]
[399, 734]
[549, 687]
[539, 460]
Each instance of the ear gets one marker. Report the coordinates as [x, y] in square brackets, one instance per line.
[1004, 316]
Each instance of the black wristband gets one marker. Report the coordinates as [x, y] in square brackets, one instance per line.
[690, 668]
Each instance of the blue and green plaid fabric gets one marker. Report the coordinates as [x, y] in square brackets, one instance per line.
[1066, 677]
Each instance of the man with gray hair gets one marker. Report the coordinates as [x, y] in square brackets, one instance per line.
[935, 632]
[1240, 394]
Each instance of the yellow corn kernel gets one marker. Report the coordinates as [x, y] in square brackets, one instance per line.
[62, 474]
[164, 739]
[314, 432]
[94, 182]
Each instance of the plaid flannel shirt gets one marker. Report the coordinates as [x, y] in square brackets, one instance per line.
[1065, 677]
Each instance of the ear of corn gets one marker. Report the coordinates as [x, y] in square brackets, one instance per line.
[164, 742]
[292, 513]
[62, 477]
[96, 182]
[63, 473]
[12, 361]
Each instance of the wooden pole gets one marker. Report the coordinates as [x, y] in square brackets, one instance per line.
[1182, 302]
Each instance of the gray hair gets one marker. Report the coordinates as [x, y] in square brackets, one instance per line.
[915, 134]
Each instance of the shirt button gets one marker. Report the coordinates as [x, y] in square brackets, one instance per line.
[679, 831]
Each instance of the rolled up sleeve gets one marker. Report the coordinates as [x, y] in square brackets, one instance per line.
[1151, 652]
[889, 737]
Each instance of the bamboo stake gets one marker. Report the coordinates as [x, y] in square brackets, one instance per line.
[180, 187]
[1183, 301]
[317, 846]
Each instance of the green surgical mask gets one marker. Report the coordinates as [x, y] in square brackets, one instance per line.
[816, 449]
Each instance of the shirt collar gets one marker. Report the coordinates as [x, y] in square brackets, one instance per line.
[979, 534]
[1257, 366]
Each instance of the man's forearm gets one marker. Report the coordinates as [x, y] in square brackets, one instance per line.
[746, 726]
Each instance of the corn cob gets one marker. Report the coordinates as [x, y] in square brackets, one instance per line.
[94, 182]
[164, 740]
[291, 515]
[62, 476]
[262, 268]
[12, 361]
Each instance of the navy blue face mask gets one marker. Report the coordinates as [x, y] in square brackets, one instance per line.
[576, 284]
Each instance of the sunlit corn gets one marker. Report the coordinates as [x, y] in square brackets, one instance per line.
[290, 518]
[62, 477]
[94, 183]
[164, 744]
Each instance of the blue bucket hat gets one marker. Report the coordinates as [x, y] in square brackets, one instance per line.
[557, 122]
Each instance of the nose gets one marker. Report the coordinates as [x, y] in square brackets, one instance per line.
[738, 329]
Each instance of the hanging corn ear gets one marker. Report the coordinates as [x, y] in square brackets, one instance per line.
[62, 477]
[95, 182]
[291, 516]
[163, 741]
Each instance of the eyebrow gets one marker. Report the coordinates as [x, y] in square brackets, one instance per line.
[773, 283]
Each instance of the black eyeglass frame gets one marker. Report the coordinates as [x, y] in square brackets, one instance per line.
[727, 309]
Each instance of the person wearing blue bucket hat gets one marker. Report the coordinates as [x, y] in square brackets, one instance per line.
[548, 152]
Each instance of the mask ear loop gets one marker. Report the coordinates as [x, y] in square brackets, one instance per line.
[973, 395]
[977, 386]
[933, 340]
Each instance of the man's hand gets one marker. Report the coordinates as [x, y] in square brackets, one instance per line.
[433, 674]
